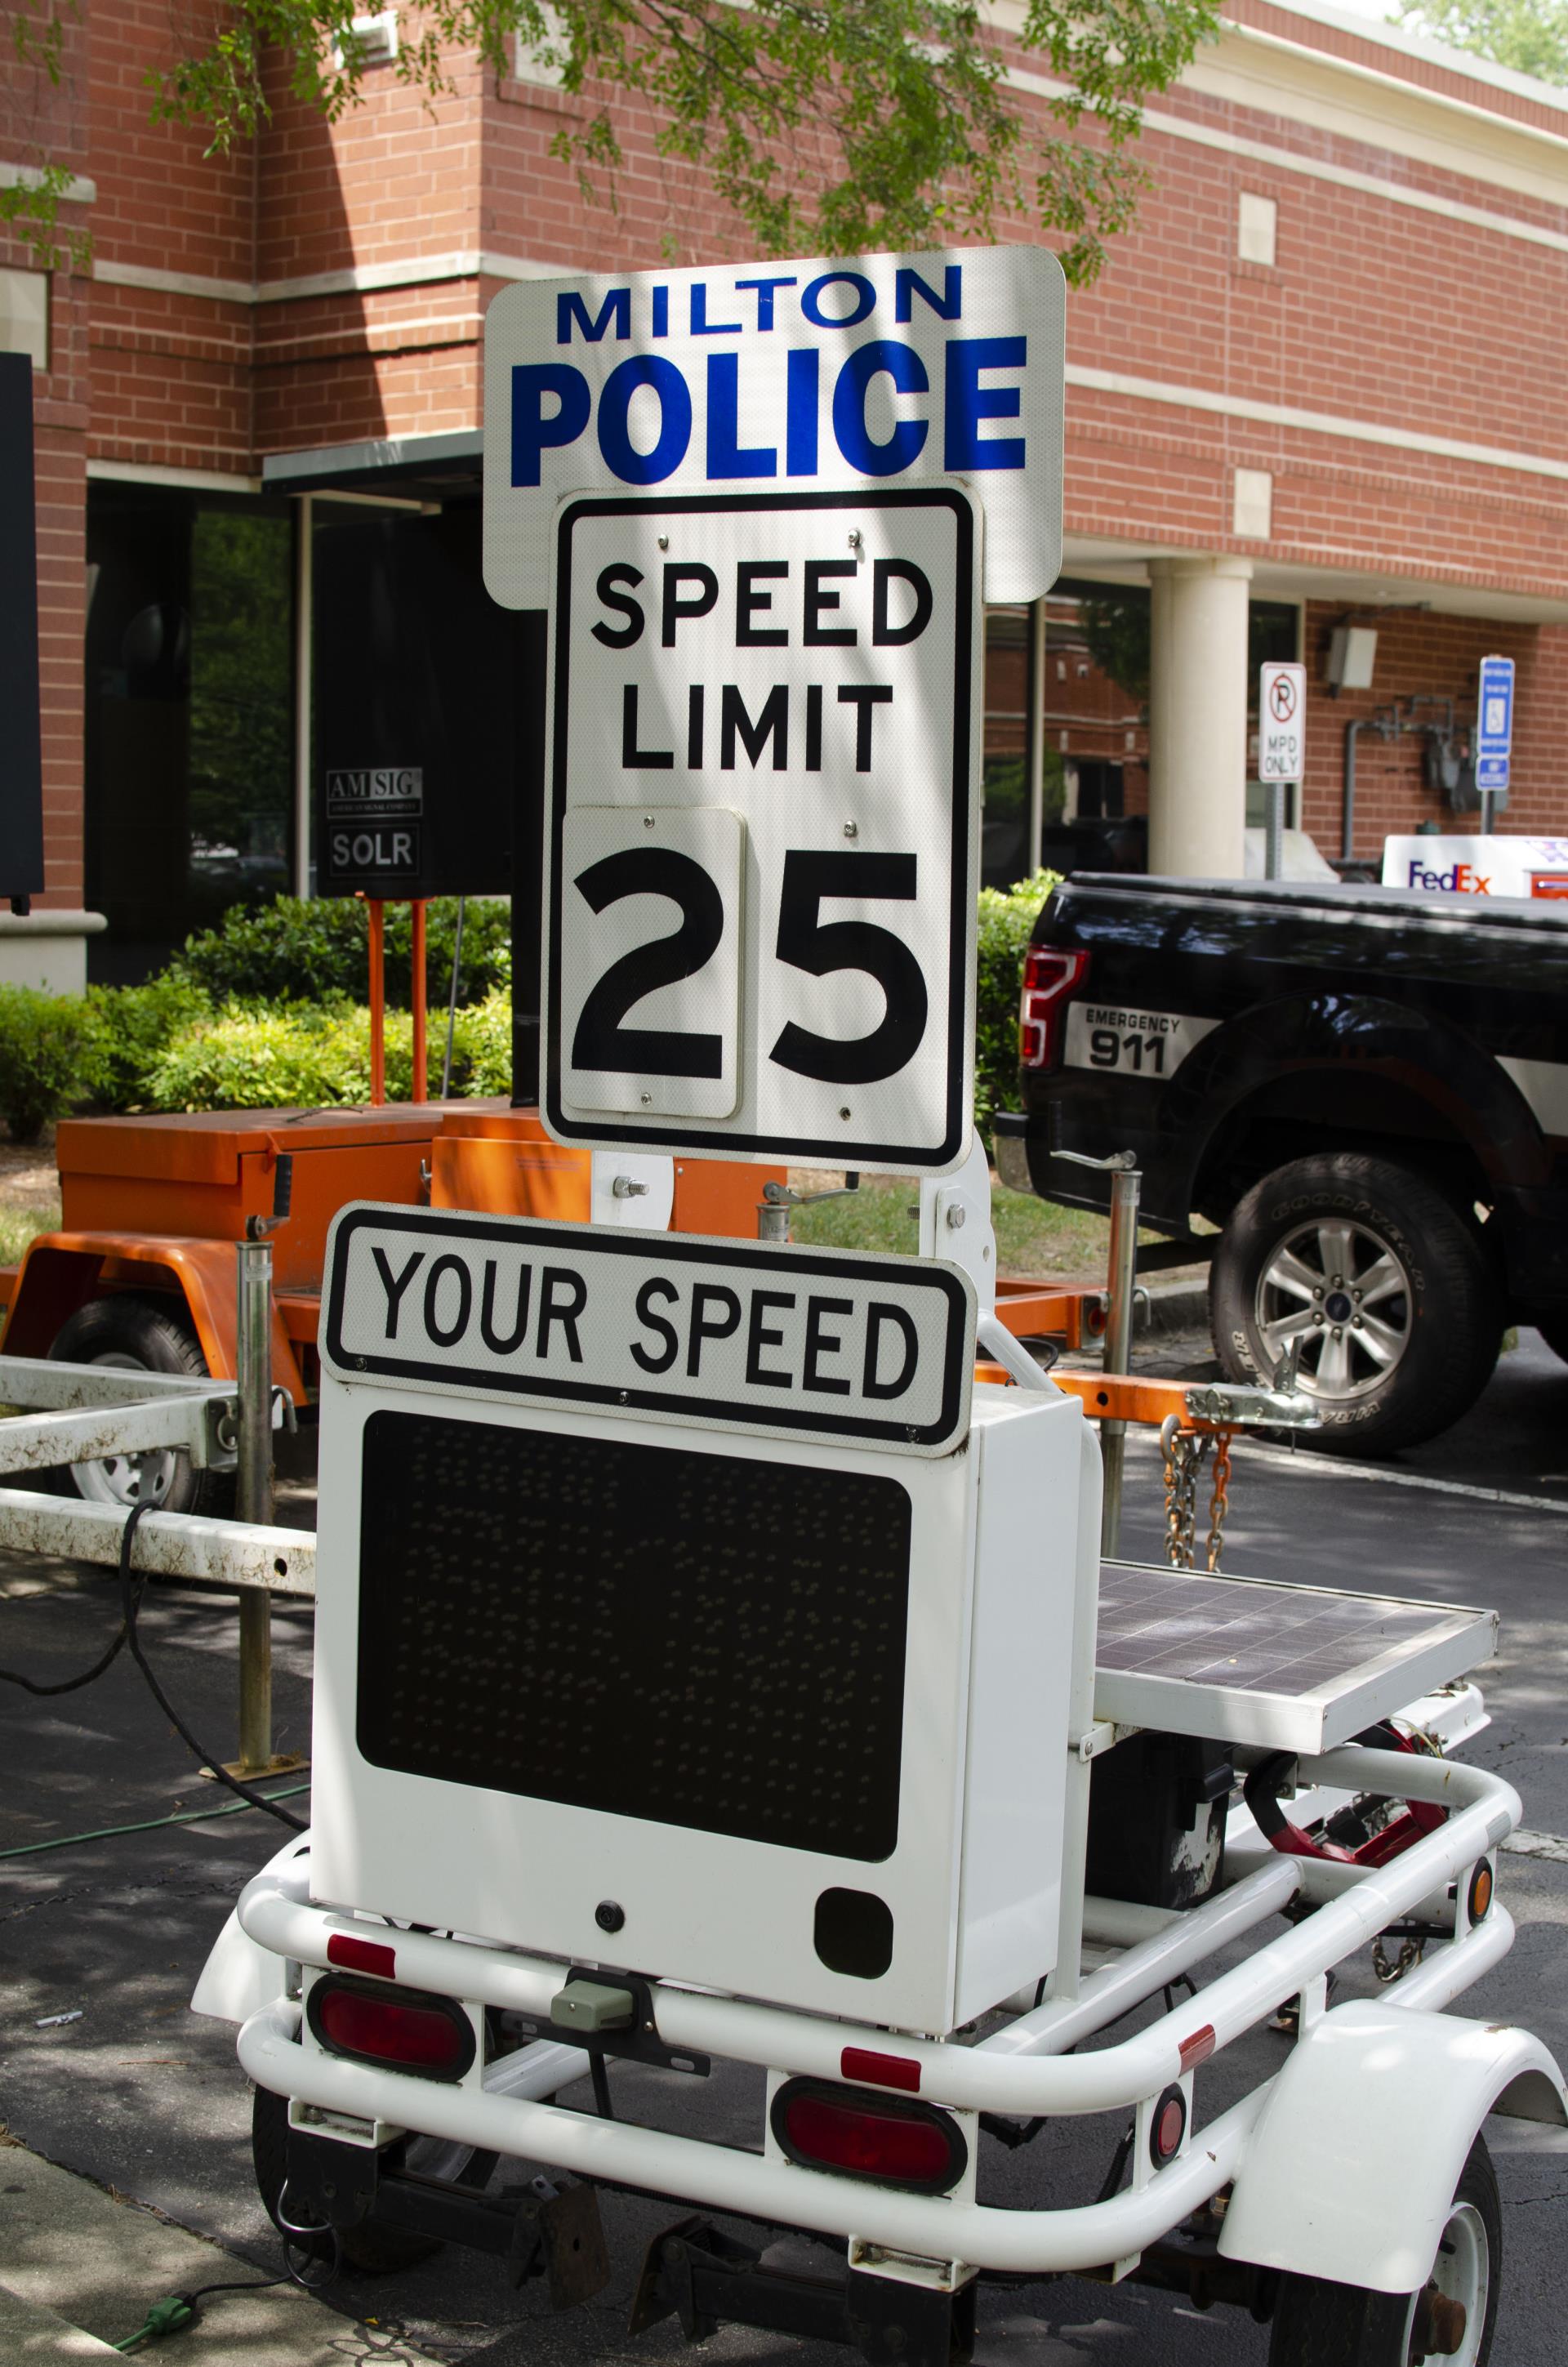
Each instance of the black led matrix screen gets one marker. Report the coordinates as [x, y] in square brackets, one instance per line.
[694, 1638]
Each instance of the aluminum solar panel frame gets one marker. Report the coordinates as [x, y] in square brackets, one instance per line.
[1278, 1668]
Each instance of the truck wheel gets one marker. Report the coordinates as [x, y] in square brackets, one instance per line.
[378, 2250]
[1321, 2325]
[1380, 1278]
[136, 1335]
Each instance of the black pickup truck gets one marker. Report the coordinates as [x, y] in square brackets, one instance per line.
[1365, 1089]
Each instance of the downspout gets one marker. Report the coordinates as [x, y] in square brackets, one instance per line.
[1348, 817]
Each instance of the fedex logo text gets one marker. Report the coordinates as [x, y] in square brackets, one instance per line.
[1459, 880]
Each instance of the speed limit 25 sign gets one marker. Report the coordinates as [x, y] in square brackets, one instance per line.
[763, 824]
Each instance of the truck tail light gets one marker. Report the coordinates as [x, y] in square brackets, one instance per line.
[1051, 978]
[864, 2135]
[407, 2029]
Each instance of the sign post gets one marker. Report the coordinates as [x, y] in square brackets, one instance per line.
[1494, 736]
[1281, 748]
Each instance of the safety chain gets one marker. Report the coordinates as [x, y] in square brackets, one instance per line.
[1219, 1502]
[1185, 1452]
[1409, 1953]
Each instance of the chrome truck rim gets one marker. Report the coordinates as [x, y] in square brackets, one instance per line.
[1341, 1291]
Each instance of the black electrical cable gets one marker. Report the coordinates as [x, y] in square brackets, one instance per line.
[69, 1685]
[129, 1601]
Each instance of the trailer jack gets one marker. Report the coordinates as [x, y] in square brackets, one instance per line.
[697, 2273]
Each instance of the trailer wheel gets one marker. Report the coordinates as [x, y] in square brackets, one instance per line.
[1321, 2325]
[378, 2250]
[1383, 1283]
[136, 1335]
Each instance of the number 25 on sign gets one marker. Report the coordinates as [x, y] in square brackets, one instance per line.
[763, 824]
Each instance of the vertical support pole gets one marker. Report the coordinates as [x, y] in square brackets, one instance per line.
[421, 1088]
[1036, 740]
[1273, 829]
[378, 912]
[303, 644]
[1488, 814]
[1126, 1186]
[253, 1493]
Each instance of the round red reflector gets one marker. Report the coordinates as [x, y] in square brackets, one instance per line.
[910, 2146]
[1168, 2127]
[418, 2033]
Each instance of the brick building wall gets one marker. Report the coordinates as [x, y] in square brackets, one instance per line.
[326, 285]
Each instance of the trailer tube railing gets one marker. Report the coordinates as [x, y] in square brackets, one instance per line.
[1019, 2070]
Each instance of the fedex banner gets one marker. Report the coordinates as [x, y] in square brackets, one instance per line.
[867, 370]
[1478, 866]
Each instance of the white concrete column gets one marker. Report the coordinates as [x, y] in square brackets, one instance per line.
[1198, 717]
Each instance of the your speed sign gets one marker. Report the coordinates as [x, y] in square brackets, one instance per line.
[763, 750]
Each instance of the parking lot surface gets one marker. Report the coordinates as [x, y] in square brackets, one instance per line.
[140, 2095]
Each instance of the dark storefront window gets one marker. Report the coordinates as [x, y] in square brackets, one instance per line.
[189, 770]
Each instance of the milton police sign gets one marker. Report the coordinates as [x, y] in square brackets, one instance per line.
[878, 369]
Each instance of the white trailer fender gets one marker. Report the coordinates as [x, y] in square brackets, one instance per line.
[240, 1976]
[1349, 2168]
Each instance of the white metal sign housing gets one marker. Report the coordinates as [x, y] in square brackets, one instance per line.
[869, 370]
[781, 1719]
[763, 825]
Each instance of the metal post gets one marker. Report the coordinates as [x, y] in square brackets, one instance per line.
[1273, 829]
[1034, 741]
[254, 1493]
[1488, 812]
[378, 912]
[1125, 1184]
[420, 1091]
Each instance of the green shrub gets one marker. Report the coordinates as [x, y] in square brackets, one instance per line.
[1007, 923]
[481, 1047]
[50, 1058]
[308, 1054]
[297, 951]
[135, 1025]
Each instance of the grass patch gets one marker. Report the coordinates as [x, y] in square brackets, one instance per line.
[19, 1226]
[1033, 1237]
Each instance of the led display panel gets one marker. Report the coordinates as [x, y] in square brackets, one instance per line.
[699, 1640]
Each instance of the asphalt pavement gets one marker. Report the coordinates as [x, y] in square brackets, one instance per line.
[107, 2073]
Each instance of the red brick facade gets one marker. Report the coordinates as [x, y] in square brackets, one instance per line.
[1403, 468]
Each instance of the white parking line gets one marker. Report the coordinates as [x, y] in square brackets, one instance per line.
[1524, 1843]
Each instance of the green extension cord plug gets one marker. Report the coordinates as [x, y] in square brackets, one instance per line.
[166, 2316]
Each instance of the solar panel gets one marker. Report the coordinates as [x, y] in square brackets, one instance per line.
[1251, 1661]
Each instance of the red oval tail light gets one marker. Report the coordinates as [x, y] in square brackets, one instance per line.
[860, 2135]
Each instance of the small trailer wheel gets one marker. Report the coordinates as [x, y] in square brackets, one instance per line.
[1317, 2324]
[376, 2249]
[138, 1335]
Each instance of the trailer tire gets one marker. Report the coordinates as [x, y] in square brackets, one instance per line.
[375, 2250]
[138, 1335]
[1317, 2324]
[1410, 1361]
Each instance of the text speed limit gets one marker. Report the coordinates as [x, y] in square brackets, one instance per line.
[762, 864]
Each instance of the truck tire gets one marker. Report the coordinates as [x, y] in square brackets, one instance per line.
[1383, 1280]
[139, 1335]
[376, 2249]
[1321, 2325]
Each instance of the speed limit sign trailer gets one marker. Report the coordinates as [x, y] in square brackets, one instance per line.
[711, 1668]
